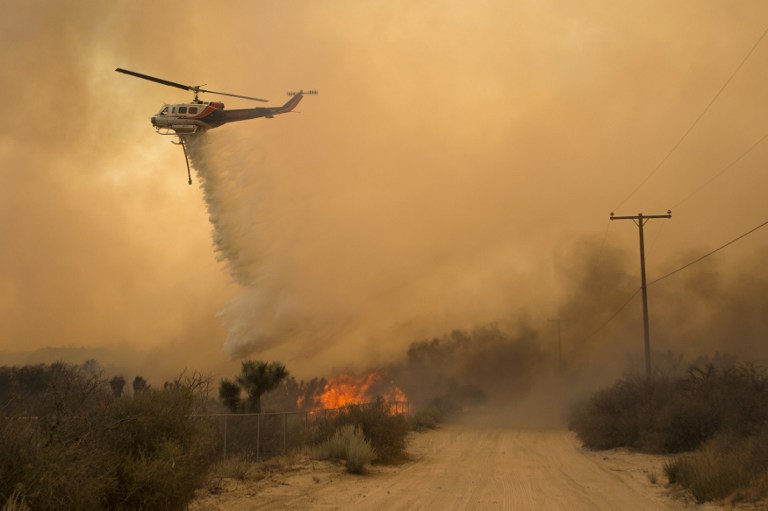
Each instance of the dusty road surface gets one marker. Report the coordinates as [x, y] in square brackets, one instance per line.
[468, 467]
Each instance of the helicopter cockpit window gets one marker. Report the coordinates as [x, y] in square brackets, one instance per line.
[182, 109]
[164, 111]
[193, 109]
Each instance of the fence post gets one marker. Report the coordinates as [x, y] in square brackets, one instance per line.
[225, 437]
[285, 433]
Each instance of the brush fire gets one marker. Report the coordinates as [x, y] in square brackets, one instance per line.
[345, 389]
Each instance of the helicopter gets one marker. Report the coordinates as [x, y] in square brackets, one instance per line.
[186, 119]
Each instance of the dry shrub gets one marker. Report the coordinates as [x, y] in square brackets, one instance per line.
[87, 449]
[235, 468]
[678, 414]
[386, 432]
[437, 411]
[347, 443]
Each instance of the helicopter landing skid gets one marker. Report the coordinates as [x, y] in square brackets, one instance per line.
[182, 129]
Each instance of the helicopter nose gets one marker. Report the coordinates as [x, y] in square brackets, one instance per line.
[154, 121]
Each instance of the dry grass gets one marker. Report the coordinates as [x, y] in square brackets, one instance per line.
[237, 468]
[725, 467]
[16, 502]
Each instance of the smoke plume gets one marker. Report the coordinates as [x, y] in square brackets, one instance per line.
[433, 185]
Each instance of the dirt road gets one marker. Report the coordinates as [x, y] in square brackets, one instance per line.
[470, 467]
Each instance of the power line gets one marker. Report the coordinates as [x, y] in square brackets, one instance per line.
[613, 316]
[695, 122]
[559, 342]
[709, 253]
[724, 170]
[632, 296]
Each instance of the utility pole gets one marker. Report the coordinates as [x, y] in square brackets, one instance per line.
[640, 220]
[559, 342]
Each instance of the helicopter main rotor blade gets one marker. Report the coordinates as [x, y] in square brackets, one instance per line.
[193, 88]
[232, 95]
[153, 79]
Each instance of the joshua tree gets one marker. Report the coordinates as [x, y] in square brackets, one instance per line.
[117, 384]
[229, 393]
[258, 378]
[139, 385]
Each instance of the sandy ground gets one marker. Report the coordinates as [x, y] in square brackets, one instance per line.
[467, 467]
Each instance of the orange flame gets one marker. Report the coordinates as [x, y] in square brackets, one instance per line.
[345, 389]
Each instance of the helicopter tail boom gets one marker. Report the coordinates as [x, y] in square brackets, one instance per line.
[254, 113]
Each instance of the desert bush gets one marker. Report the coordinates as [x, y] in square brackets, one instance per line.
[347, 443]
[236, 467]
[674, 414]
[87, 449]
[386, 432]
[437, 411]
[164, 456]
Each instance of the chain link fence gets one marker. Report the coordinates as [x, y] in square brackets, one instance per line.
[262, 435]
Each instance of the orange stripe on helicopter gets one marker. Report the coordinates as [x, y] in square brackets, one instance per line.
[208, 109]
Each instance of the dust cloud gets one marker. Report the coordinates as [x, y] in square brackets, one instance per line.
[456, 171]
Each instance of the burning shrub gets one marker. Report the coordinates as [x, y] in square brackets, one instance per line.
[385, 432]
[345, 390]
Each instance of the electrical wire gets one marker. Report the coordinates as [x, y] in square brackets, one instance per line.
[695, 122]
[723, 171]
[631, 297]
[613, 316]
[709, 253]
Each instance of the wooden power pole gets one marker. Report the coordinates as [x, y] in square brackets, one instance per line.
[559, 342]
[640, 220]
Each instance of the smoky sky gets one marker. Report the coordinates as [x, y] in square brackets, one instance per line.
[457, 168]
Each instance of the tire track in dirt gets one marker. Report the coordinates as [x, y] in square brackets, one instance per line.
[478, 467]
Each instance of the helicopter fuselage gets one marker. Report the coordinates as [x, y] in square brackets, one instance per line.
[189, 118]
